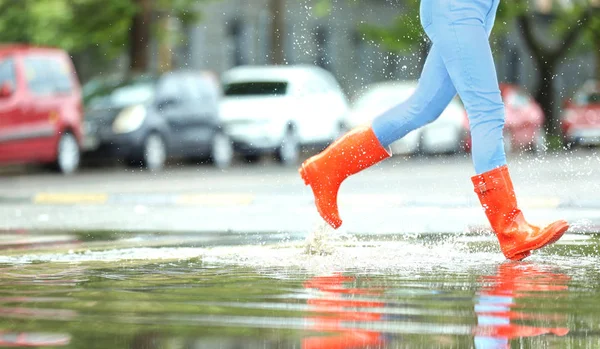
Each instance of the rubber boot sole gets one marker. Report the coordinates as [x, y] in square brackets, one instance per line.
[559, 229]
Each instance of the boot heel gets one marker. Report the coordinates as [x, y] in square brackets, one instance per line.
[304, 175]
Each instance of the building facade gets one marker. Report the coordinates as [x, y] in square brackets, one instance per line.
[237, 32]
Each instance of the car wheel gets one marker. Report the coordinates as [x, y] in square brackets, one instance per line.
[252, 158]
[342, 129]
[570, 144]
[508, 142]
[289, 150]
[154, 152]
[68, 154]
[221, 152]
[539, 143]
[462, 137]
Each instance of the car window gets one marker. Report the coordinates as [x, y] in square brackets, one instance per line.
[208, 93]
[585, 98]
[199, 90]
[7, 72]
[126, 93]
[258, 88]
[190, 84]
[172, 88]
[594, 98]
[517, 99]
[187, 88]
[47, 75]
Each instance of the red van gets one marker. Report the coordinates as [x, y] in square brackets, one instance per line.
[40, 107]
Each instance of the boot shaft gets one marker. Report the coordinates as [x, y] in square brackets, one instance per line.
[497, 196]
[352, 153]
[516, 236]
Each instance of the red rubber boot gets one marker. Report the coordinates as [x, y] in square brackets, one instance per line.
[325, 172]
[517, 237]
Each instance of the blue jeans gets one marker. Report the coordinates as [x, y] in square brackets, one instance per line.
[460, 60]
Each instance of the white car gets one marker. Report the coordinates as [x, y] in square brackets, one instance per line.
[279, 109]
[445, 135]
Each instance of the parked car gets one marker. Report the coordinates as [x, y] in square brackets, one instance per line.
[97, 84]
[40, 107]
[524, 121]
[445, 135]
[147, 119]
[581, 116]
[279, 109]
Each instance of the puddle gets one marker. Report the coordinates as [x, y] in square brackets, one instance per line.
[161, 291]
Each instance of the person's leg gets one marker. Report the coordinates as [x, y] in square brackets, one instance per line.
[365, 146]
[490, 19]
[434, 91]
[433, 94]
[459, 28]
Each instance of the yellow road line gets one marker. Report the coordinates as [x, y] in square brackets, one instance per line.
[70, 198]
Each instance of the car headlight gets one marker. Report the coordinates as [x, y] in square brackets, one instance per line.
[129, 119]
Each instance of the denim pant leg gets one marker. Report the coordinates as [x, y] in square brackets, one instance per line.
[460, 29]
[434, 92]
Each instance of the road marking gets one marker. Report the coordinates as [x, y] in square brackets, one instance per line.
[70, 198]
[244, 199]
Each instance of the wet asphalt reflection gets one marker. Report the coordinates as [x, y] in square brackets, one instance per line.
[113, 290]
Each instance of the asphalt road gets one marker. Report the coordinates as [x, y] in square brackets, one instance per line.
[414, 195]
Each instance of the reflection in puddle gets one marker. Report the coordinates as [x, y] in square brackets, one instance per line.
[500, 296]
[364, 294]
[22, 340]
[342, 310]
[337, 307]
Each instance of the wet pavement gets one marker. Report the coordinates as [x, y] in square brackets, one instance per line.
[327, 290]
[196, 257]
[398, 196]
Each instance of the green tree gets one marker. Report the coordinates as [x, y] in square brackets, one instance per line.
[404, 35]
[569, 25]
[73, 25]
[150, 19]
[105, 27]
[277, 14]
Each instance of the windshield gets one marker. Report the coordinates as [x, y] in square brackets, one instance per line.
[256, 89]
[123, 95]
[587, 98]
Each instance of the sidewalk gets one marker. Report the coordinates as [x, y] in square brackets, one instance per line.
[249, 213]
[248, 199]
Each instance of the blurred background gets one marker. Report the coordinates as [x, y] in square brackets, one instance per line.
[160, 136]
[214, 103]
[144, 81]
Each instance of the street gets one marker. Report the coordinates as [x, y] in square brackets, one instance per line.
[219, 258]
[402, 195]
